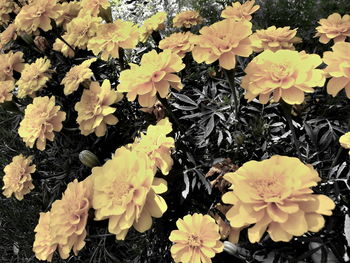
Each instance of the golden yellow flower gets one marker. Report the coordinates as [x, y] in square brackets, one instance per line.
[196, 240]
[187, 19]
[60, 46]
[112, 36]
[154, 23]
[37, 14]
[223, 41]
[76, 75]
[41, 119]
[68, 11]
[34, 77]
[155, 74]
[344, 141]
[93, 6]
[43, 246]
[178, 43]
[6, 7]
[94, 110]
[334, 27]
[17, 178]
[274, 39]
[126, 192]
[7, 35]
[338, 67]
[239, 12]
[10, 62]
[6, 86]
[286, 74]
[275, 194]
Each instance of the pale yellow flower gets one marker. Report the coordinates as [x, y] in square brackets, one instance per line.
[7, 35]
[6, 86]
[154, 23]
[334, 27]
[240, 11]
[93, 6]
[10, 62]
[178, 43]
[68, 11]
[187, 19]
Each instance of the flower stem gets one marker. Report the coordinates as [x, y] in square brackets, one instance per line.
[170, 112]
[230, 77]
[121, 59]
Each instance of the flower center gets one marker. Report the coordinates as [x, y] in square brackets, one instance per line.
[280, 72]
[268, 188]
[194, 240]
[119, 191]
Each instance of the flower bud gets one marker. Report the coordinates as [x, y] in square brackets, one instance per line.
[89, 159]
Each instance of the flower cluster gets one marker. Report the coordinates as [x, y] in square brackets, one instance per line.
[10, 62]
[187, 19]
[154, 23]
[179, 43]
[334, 27]
[239, 12]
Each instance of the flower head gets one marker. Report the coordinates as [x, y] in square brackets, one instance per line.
[154, 23]
[344, 141]
[223, 41]
[334, 27]
[239, 12]
[7, 35]
[94, 110]
[17, 178]
[178, 43]
[41, 119]
[187, 19]
[196, 240]
[34, 77]
[6, 87]
[68, 11]
[76, 75]
[338, 67]
[155, 74]
[93, 6]
[274, 39]
[275, 194]
[10, 62]
[286, 74]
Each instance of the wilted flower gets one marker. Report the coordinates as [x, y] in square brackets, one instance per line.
[223, 41]
[6, 86]
[68, 11]
[34, 77]
[187, 19]
[196, 240]
[112, 36]
[10, 62]
[334, 27]
[93, 6]
[154, 23]
[7, 35]
[274, 39]
[338, 67]
[154, 75]
[239, 12]
[6, 7]
[76, 75]
[178, 43]
[275, 194]
[17, 178]
[344, 141]
[41, 119]
[94, 110]
[286, 74]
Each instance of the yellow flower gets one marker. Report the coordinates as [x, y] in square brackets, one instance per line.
[154, 23]
[41, 119]
[43, 246]
[275, 194]
[68, 11]
[223, 41]
[10, 62]
[155, 74]
[338, 67]
[110, 37]
[344, 141]
[7, 35]
[94, 110]
[6, 7]
[187, 19]
[334, 27]
[17, 178]
[60, 46]
[93, 6]
[34, 77]
[239, 12]
[126, 192]
[286, 74]
[76, 75]
[6, 87]
[274, 39]
[37, 14]
[196, 240]
[178, 43]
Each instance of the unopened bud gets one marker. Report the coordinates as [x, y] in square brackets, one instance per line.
[89, 159]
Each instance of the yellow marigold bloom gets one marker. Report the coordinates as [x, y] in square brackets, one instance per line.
[338, 67]
[68, 11]
[223, 41]
[41, 119]
[6, 7]
[275, 194]
[274, 39]
[93, 6]
[43, 246]
[187, 19]
[154, 23]
[286, 74]
[196, 240]
[178, 43]
[240, 11]
[34, 77]
[37, 14]
[344, 141]
[112, 36]
[17, 178]
[7, 35]
[60, 46]
[94, 110]
[334, 27]
[126, 192]
[154, 75]
[10, 62]
[76, 75]
[6, 87]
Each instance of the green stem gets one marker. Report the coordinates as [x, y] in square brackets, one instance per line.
[230, 77]
[121, 59]
[64, 41]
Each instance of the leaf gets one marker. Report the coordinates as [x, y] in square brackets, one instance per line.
[185, 192]
[210, 127]
[184, 98]
[186, 108]
[347, 229]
